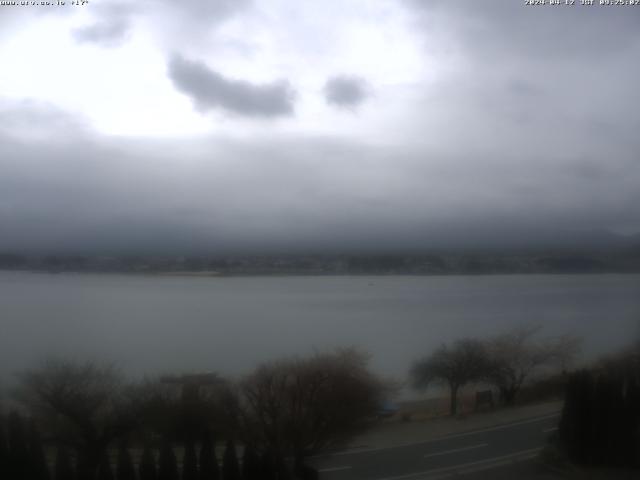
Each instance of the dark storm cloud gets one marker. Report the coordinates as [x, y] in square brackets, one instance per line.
[210, 90]
[345, 91]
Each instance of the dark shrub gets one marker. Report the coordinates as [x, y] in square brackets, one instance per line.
[230, 467]
[104, 469]
[125, 469]
[268, 466]
[168, 466]
[600, 423]
[189, 462]
[19, 461]
[304, 471]
[575, 423]
[38, 463]
[4, 449]
[63, 468]
[251, 467]
[209, 469]
[147, 468]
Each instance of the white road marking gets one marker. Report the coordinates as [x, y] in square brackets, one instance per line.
[501, 427]
[333, 469]
[455, 450]
[498, 461]
[431, 440]
[469, 467]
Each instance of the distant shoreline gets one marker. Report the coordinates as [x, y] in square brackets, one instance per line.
[197, 274]
[437, 263]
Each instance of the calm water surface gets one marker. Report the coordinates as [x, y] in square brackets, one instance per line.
[148, 324]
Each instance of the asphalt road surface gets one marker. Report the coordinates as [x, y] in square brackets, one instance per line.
[457, 454]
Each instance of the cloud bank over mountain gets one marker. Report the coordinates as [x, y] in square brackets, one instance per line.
[187, 126]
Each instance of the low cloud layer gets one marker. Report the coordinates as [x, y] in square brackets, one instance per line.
[345, 91]
[91, 193]
[209, 89]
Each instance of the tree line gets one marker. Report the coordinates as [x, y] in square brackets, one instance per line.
[22, 457]
[83, 421]
[100, 427]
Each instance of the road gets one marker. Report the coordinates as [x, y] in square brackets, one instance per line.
[439, 458]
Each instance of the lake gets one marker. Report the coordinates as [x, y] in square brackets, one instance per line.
[150, 324]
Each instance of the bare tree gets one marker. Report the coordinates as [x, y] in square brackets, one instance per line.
[299, 406]
[462, 363]
[517, 355]
[626, 361]
[183, 408]
[82, 404]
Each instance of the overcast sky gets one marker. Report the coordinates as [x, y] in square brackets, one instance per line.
[216, 125]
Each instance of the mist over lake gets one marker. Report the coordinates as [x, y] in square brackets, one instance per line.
[153, 324]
